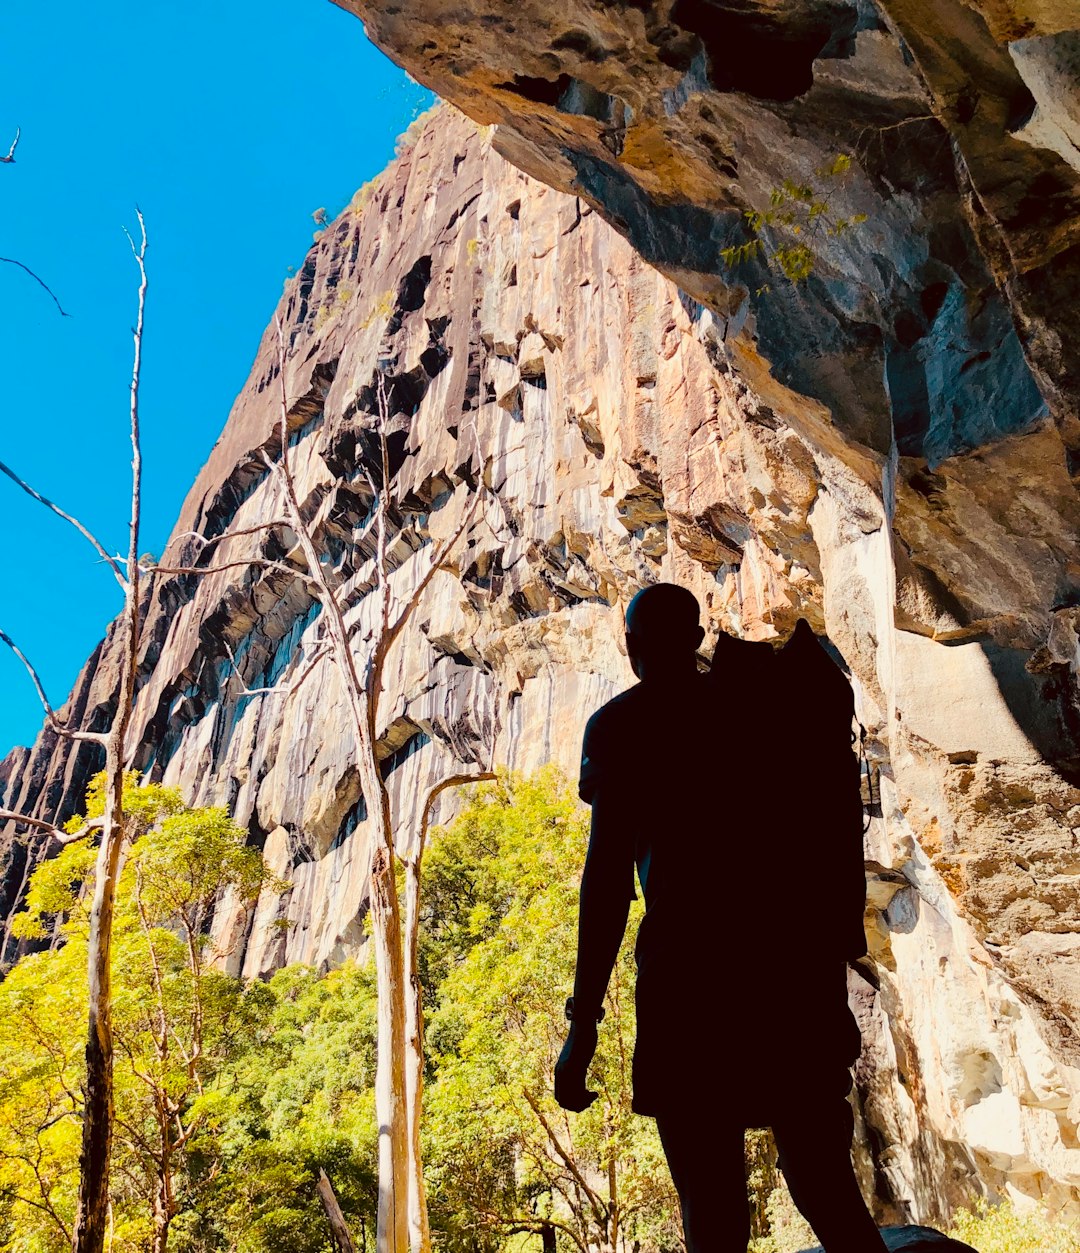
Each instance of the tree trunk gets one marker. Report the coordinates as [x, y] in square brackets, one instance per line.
[419, 1230]
[390, 1105]
[162, 1218]
[339, 1231]
[92, 1215]
[547, 1236]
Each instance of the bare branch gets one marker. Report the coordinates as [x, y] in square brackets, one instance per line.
[394, 629]
[99, 547]
[316, 657]
[136, 372]
[595, 1203]
[96, 737]
[57, 833]
[247, 530]
[264, 563]
[37, 279]
[451, 780]
[6, 815]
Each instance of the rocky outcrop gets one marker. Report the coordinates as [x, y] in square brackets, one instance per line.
[623, 430]
[674, 117]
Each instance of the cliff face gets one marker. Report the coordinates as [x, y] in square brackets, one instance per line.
[627, 433]
[674, 116]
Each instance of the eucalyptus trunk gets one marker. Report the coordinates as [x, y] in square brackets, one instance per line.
[92, 1214]
[419, 1228]
[339, 1230]
[390, 1102]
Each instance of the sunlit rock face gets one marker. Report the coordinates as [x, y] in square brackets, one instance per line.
[673, 117]
[623, 432]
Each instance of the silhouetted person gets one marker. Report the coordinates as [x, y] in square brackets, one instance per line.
[736, 796]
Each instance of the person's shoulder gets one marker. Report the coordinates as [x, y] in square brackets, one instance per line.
[616, 712]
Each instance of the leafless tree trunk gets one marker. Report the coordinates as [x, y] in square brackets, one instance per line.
[419, 1227]
[91, 1217]
[399, 1159]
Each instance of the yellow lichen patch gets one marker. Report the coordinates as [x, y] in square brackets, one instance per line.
[930, 838]
[665, 169]
[952, 871]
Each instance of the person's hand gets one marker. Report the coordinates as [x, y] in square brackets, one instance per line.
[571, 1068]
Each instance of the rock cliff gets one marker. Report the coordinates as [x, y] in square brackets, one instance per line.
[630, 429]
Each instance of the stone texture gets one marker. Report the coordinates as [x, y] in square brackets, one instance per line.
[628, 432]
[915, 1240]
[672, 117]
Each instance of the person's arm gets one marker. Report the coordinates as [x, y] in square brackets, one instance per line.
[607, 887]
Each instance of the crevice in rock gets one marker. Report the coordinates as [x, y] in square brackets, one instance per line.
[767, 52]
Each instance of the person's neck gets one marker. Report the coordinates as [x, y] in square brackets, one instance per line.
[668, 671]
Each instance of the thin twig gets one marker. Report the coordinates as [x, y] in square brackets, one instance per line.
[394, 629]
[99, 547]
[316, 657]
[53, 721]
[247, 530]
[10, 158]
[38, 279]
[264, 563]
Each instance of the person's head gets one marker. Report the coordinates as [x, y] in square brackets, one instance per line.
[662, 630]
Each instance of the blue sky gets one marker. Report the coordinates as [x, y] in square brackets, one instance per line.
[229, 124]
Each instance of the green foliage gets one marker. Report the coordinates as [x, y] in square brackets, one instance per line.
[175, 1017]
[1003, 1229]
[269, 1083]
[382, 308]
[787, 234]
[499, 941]
[788, 1231]
[297, 1098]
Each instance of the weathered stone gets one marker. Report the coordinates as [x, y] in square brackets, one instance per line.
[674, 117]
[915, 1240]
[628, 433]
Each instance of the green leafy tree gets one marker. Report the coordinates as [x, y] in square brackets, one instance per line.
[176, 1018]
[499, 947]
[298, 1100]
[1004, 1229]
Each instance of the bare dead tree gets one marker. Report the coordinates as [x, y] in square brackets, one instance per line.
[419, 1226]
[363, 684]
[91, 1219]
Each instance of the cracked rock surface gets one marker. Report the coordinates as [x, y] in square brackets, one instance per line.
[627, 429]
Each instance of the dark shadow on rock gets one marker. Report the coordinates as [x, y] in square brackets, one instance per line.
[1043, 702]
[916, 1240]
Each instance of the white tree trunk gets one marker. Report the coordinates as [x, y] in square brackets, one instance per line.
[390, 1102]
[419, 1230]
